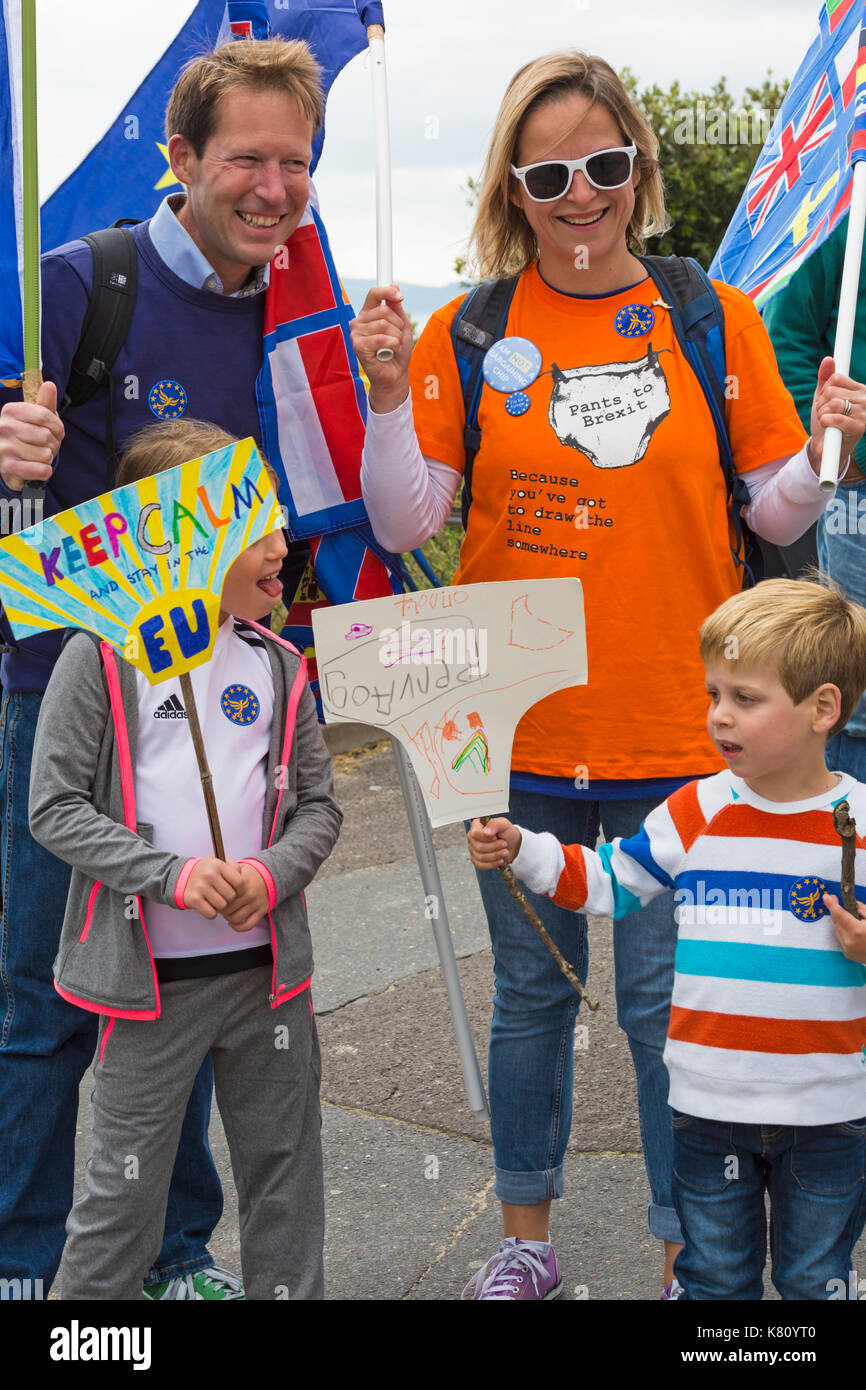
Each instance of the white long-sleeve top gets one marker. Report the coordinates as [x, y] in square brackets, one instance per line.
[409, 495]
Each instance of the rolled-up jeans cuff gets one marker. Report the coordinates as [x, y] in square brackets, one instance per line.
[528, 1189]
[664, 1223]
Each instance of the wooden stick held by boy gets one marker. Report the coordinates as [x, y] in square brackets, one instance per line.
[519, 896]
[846, 826]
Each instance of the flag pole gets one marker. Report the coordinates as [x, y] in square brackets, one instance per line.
[32, 379]
[384, 253]
[848, 293]
[203, 767]
[416, 811]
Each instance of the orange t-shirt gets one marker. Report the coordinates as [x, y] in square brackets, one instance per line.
[612, 473]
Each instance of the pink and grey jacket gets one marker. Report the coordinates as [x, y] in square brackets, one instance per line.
[82, 809]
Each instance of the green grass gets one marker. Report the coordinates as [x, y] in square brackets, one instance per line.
[441, 553]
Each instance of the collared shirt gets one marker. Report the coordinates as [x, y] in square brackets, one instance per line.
[176, 247]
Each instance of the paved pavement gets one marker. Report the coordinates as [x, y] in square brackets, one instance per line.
[408, 1170]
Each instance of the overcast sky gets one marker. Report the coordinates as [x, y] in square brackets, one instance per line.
[446, 78]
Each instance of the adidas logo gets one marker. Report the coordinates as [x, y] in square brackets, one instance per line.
[171, 709]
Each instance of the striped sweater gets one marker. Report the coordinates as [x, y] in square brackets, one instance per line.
[768, 1017]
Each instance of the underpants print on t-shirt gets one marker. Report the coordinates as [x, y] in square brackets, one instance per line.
[610, 412]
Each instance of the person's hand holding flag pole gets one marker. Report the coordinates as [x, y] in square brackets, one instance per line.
[829, 474]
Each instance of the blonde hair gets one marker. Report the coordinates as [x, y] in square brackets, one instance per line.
[806, 630]
[502, 241]
[265, 65]
[167, 443]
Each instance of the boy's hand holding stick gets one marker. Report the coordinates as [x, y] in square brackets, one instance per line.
[493, 859]
[849, 917]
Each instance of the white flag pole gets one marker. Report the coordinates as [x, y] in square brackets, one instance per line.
[384, 250]
[829, 474]
[419, 823]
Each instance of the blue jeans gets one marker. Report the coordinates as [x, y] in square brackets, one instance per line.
[531, 1056]
[847, 753]
[46, 1046]
[842, 554]
[816, 1178]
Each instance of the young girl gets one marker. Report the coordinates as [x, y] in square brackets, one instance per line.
[180, 952]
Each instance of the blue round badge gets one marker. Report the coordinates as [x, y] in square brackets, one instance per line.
[634, 320]
[510, 364]
[518, 403]
[167, 399]
[806, 899]
[239, 704]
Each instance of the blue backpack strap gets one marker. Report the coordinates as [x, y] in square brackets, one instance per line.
[699, 323]
[478, 324]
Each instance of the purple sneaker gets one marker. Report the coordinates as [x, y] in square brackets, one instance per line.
[516, 1271]
[672, 1290]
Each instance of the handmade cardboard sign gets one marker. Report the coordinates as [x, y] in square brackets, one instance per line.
[143, 566]
[450, 672]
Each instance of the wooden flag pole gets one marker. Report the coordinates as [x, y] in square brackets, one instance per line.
[529, 912]
[32, 379]
[204, 770]
[846, 827]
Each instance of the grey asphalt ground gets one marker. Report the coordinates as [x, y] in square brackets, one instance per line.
[410, 1208]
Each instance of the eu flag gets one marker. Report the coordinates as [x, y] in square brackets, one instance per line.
[11, 255]
[127, 173]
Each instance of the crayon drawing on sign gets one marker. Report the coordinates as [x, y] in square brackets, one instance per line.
[450, 672]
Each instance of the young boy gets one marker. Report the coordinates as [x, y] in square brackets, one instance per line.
[180, 952]
[766, 1048]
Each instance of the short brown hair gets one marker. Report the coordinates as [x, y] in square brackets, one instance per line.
[502, 240]
[168, 443]
[806, 630]
[265, 65]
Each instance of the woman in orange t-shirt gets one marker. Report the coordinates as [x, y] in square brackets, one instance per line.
[600, 461]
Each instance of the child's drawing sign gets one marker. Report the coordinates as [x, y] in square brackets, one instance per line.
[143, 566]
[450, 672]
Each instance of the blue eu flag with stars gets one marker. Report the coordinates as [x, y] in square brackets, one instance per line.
[127, 173]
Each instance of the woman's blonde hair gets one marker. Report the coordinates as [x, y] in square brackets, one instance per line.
[502, 241]
[806, 631]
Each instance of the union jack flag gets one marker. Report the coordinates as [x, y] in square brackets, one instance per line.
[801, 185]
[795, 141]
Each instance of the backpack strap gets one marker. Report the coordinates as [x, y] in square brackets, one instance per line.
[698, 321]
[106, 324]
[478, 324]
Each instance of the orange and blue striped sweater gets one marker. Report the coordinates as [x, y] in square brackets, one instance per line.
[768, 1017]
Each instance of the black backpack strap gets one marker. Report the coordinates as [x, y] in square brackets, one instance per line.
[478, 324]
[106, 324]
[699, 324]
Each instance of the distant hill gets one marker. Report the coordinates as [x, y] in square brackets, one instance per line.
[420, 301]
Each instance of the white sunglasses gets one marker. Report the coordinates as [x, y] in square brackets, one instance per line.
[603, 169]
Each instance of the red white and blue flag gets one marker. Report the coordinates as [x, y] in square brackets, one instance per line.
[244, 19]
[800, 188]
[11, 195]
[313, 411]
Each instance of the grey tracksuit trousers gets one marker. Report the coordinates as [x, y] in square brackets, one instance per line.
[267, 1072]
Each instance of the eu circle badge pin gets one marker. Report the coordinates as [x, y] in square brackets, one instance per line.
[511, 364]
